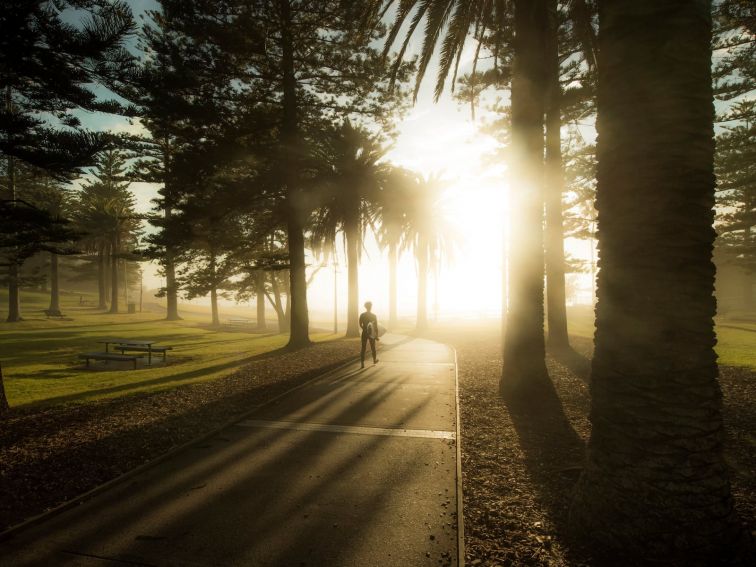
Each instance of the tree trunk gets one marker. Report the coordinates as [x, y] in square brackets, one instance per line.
[422, 285]
[556, 300]
[214, 307]
[747, 274]
[102, 302]
[260, 292]
[171, 289]
[278, 305]
[655, 486]
[524, 350]
[299, 334]
[4, 406]
[54, 284]
[392, 258]
[114, 275]
[14, 298]
[353, 260]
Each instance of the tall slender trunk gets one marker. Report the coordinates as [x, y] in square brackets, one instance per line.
[260, 293]
[278, 304]
[353, 260]
[115, 249]
[392, 258]
[300, 322]
[54, 284]
[14, 298]
[214, 291]
[102, 302]
[171, 289]
[524, 362]
[214, 307]
[747, 274]
[554, 177]
[655, 487]
[422, 284]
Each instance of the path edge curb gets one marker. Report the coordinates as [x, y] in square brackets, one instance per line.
[460, 507]
[81, 498]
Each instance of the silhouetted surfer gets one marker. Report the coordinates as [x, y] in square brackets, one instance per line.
[369, 326]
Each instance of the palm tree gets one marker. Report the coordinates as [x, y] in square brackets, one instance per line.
[392, 211]
[427, 233]
[351, 174]
[524, 345]
[655, 487]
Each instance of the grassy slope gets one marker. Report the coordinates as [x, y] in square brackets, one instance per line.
[40, 364]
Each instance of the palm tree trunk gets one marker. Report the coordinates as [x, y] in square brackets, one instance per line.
[102, 302]
[114, 274]
[524, 349]
[54, 284]
[392, 258]
[555, 289]
[260, 293]
[300, 321]
[422, 285]
[655, 486]
[353, 260]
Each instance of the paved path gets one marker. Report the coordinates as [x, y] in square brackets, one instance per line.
[358, 468]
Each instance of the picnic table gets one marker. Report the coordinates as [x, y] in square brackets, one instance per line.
[133, 345]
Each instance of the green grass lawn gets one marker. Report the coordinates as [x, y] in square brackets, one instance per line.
[39, 355]
[736, 338]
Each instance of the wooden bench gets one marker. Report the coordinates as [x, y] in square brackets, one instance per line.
[240, 321]
[148, 350]
[109, 356]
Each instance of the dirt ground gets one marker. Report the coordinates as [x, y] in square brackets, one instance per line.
[520, 464]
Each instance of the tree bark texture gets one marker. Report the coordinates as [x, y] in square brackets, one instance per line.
[392, 259]
[655, 487]
[524, 348]
[352, 230]
[14, 297]
[554, 177]
[300, 322]
[54, 284]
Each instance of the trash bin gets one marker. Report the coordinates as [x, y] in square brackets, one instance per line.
[132, 307]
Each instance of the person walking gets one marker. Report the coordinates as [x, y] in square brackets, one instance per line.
[369, 326]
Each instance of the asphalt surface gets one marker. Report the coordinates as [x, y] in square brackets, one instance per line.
[357, 468]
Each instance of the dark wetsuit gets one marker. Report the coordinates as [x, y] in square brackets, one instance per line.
[365, 318]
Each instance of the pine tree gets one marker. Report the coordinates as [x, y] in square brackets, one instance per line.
[47, 68]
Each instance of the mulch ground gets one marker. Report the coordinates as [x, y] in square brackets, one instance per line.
[520, 464]
[51, 455]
